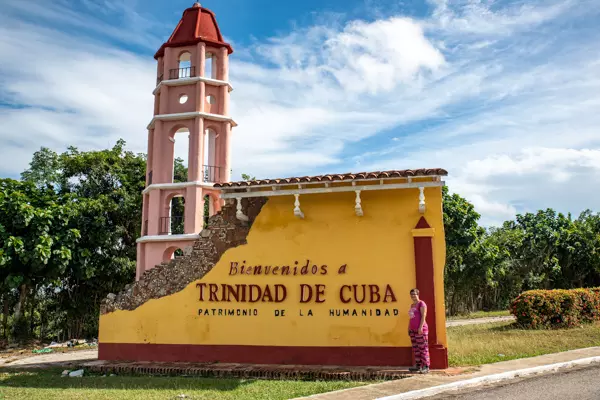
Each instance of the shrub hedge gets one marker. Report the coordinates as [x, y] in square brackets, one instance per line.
[537, 309]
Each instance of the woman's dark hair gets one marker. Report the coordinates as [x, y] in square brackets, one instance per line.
[415, 291]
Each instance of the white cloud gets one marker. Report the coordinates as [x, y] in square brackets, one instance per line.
[502, 94]
[483, 20]
[127, 26]
[321, 90]
[501, 184]
[69, 92]
[554, 162]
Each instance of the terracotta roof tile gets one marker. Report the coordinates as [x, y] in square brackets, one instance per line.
[197, 24]
[339, 177]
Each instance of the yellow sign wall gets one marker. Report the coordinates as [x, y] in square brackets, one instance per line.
[330, 279]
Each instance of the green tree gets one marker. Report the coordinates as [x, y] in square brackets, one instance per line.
[577, 251]
[111, 181]
[538, 262]
[45, 168]
[506, 278]
[37, 238]
[464, 273]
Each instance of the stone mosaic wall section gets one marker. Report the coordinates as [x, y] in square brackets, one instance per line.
[224, 231]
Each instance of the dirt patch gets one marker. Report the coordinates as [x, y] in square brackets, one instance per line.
[58, 358]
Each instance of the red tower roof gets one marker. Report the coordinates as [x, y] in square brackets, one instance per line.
[197, 24]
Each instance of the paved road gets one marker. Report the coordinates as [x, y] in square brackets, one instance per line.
[581, 383]
[460, 322]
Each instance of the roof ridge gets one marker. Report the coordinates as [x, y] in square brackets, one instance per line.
[348, 176]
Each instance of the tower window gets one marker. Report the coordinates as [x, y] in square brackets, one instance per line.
[185, 60]
[172, 253]
[181, 140]
[183, 99]
[209, 105]
[212, 171]
[184, 68]
[210, 69]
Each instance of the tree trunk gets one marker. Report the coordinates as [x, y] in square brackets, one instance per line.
[42, 336]
[453, 302]
[18, 324]
[5, 315]
[21, 303]
[31, 313]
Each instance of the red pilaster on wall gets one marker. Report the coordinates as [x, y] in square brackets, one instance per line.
[424, 268]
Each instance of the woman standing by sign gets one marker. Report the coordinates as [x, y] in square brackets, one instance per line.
[418, 332]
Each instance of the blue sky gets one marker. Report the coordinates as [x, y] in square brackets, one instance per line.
[503, 94]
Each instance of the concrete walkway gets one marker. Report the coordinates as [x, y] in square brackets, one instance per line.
[435, 378]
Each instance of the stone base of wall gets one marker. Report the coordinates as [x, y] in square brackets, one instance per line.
[250, 371]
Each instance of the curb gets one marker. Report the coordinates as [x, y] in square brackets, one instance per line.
[418, 394]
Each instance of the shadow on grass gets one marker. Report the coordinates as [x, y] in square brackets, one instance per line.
[507, 328]
[515, 326]
[52, 379]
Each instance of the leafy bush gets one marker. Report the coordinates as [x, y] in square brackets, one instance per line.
[537, 309]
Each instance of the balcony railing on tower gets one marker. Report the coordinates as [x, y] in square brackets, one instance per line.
[179, 73]
[213, 174]
[171, 225]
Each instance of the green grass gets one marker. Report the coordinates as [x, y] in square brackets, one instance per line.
[48, 384]
[501, 341]
[468, 345]
[481, 314]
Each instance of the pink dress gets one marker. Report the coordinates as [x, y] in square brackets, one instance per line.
[420, 342]
[414, 313]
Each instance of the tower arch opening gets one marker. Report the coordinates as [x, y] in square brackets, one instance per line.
[210, 66]
[211, 168]
[210, 104]
[181, 145]
[184, 65]
[211, 205]
[172, 253]
[160, 70]
[206, 210]
[173, 220]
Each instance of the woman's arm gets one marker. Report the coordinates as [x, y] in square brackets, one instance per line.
[423, 309]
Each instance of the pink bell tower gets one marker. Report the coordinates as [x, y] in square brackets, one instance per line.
[191, 97]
